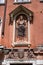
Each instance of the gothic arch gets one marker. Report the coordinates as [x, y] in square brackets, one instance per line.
[21, 10]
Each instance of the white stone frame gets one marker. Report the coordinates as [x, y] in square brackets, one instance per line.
[25, 42]
[8, 62]
[22, 1]
[2, 1]
[34, 62]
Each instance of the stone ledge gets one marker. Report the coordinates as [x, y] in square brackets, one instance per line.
[17, 44]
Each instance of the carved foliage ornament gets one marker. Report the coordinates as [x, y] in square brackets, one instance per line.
[20, 54]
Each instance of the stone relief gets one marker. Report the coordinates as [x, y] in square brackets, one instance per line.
[20, 54]
[21, 24]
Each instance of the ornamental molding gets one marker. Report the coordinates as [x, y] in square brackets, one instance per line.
[20, 54]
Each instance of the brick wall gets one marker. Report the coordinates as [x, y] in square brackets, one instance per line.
[36, 29]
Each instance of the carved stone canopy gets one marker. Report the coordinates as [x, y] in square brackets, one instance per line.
[21, 9]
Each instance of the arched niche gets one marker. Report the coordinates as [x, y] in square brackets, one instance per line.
[28, 17]
[21, 28]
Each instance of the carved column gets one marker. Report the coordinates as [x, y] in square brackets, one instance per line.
[13, 32]
[28, 31]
